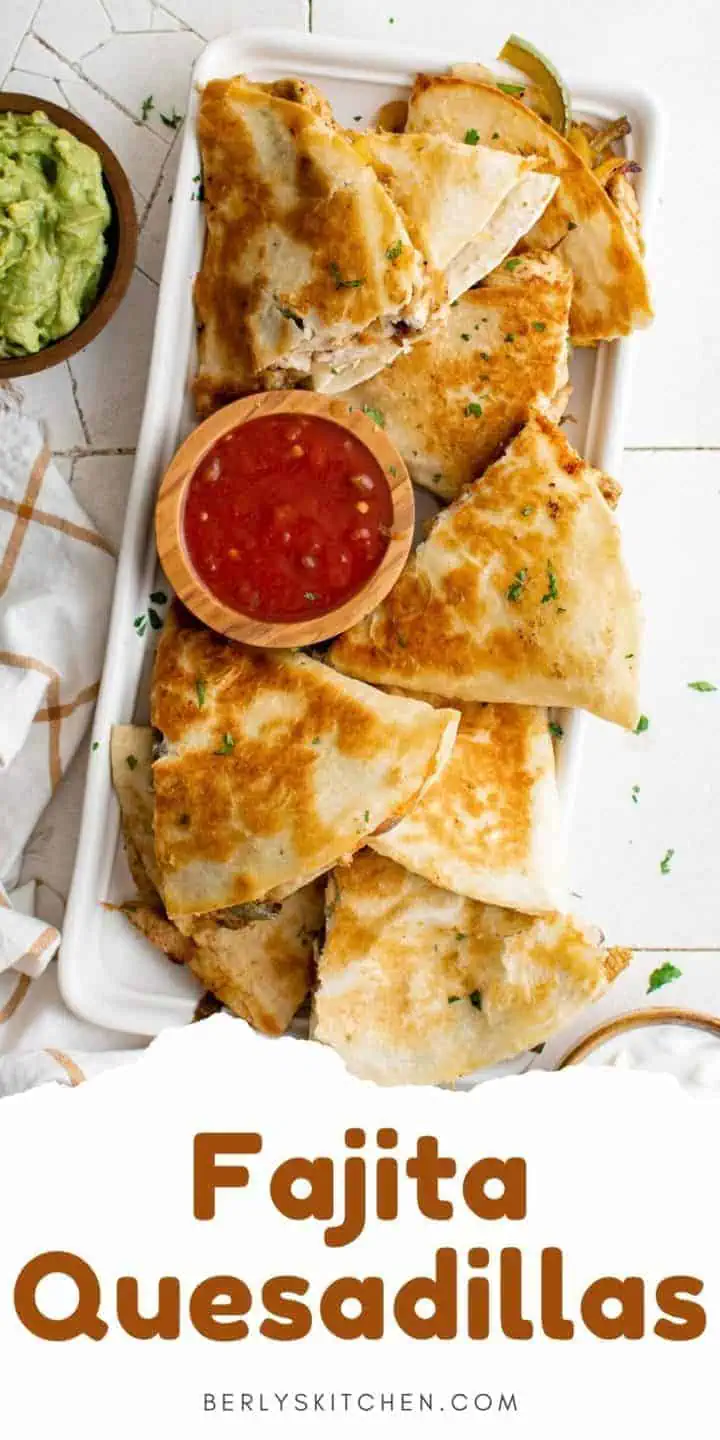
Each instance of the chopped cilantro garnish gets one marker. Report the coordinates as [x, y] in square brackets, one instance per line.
[471, 137]
[512, 264]
[148, 104]
[630, 655]
[289, 314]
[375, 414]
[515, 590]
[200, 691]
[131, 761]
[340, 282]
[635, 792]
[173, 120]
[539, 325]
[227, 745]
[475, 999]
[555, 729]
[158, 597]
[663, 976]
[474, 408]
[552, 590]
[154, 619]
[509, 339]
[465, 337]
[665, 862]
[511, 89]
[572, 225]
[495, 135]
[460, 935]
[140, 624]
[393, 251]
[705, 686]
[392, 469]
[95, 745]
[453, 999]
[316, 740]
[642, 725]
[366, 817]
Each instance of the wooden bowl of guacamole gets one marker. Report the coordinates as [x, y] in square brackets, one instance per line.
[68, 234]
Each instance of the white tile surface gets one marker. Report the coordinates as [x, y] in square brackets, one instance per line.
[216, 17]
[129, 69]
[100, 484]
[669, 52]
[151, 244]
[15, 18]
[74, 27]
[50, 397]
[110, 375]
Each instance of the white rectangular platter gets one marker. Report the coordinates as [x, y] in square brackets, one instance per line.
[109, 973]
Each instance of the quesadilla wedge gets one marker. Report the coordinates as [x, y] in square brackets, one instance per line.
[275, 767]
[263, 972]
[421, 986]
[611, 294]
[519, 594]
[259, 967]
[504, 349]
[305, 250]
[489, 826]
[448, 193]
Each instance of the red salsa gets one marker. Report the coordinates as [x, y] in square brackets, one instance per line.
[287, 517]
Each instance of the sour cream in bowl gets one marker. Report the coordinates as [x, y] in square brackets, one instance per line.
[683, 1043]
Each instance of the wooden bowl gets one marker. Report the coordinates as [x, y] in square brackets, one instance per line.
[121, 237]
[171, 503]
[636, 1020]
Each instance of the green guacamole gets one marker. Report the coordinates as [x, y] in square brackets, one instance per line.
[53, 216]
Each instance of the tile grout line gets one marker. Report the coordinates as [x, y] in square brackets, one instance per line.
[77, 70]
[22, 40]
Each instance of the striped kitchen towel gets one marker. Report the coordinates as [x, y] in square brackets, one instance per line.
[56, 578]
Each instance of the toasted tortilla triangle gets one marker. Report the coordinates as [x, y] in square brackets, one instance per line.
[261, 970]
[418, 985]
[299, 230]
[611, 294]
[505, 348]
[489, 826]
[446, 191]
[519, 594]
[285, 767]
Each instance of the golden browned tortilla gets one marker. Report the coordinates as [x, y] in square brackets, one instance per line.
[611, 294]
[456, 398]
[520, 594]
[417, 985]
[305, 250]
[489, 826]
[276, 767]
[260, 968]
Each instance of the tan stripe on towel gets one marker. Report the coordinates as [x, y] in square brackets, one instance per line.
[57, 522]
[61, 712]
[27, 662]
[17, 534]
[68, 1065]
[18, 995]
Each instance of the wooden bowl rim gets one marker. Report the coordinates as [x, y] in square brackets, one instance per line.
[121, 197]
[192, 591]
[637, 1020]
